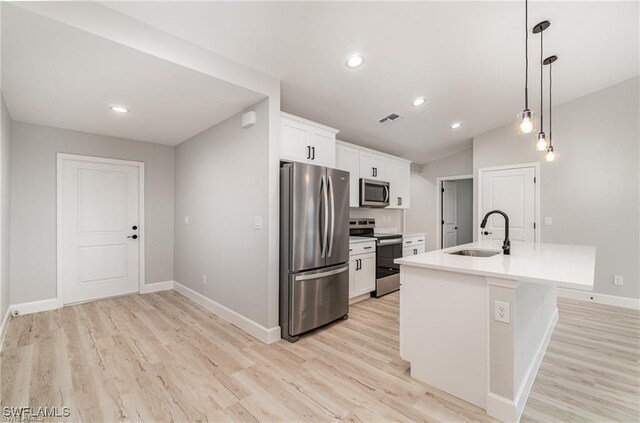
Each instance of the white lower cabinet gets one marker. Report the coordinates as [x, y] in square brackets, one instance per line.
[413, 245]
[362, 269]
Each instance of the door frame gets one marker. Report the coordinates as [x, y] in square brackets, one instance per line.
[536, 199]
[60, 159]
[439, 182]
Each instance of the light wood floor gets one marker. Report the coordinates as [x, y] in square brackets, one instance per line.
[160, 357]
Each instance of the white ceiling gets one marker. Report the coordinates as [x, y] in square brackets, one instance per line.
[465, 57]
[59, 76]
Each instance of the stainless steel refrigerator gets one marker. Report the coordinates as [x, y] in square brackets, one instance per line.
[314, 247]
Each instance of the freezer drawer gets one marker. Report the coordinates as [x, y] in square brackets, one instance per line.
[318, 297]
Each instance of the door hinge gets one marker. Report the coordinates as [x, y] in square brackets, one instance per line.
[442, 189]
[443, 222]
[534, 225]
[534, 179]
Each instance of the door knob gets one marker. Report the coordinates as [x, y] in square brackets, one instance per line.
[487, 233]
[133, 236]
[134, 227]
[456, 228]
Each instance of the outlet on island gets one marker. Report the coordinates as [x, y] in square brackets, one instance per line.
[502, 312]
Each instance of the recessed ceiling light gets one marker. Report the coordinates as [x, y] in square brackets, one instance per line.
[119, 109]
[456, 125]
[355, 61]
[419, 101]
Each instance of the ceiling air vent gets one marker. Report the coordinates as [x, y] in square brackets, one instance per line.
[389, 119]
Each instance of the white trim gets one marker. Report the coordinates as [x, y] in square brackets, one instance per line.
[35, 306]
[439, 181]
[156, 286]
[266, 335]
[3, 327]
[61, 157]
[508, 410]
[376, 152]
[308, 122]
[594, 297]
[536, 200]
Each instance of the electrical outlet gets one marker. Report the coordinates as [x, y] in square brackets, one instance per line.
[548, 221]
[204, 279]
[502, 312]
[618, 280]
[186, 220]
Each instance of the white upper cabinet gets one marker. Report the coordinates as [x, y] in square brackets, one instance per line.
[348, 159]
[304, 141]
[372, 165]
[398, 174]
[364, 163]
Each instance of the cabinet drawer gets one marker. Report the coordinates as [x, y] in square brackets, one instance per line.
[413, 241]
[362, 248]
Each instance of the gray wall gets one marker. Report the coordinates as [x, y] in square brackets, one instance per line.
[5, 148]
[422, 215]
[33, 203]
[464, 205]
[592, 189]
[221, 183]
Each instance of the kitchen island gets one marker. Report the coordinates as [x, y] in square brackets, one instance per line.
[478, 327]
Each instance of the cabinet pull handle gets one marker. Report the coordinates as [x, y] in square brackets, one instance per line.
[308, 152]
[368, 248]
[313, 153]
[415, 251]
[399, 201]
[409, 242]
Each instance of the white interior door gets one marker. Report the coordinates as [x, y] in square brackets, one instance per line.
[512, 191]
[449, 214]
[99, 210]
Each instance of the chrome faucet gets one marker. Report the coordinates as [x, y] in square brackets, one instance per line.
[506, 244]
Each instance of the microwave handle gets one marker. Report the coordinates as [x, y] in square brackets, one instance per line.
[386, 198]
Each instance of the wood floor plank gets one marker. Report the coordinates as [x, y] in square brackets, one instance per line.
[161, 357]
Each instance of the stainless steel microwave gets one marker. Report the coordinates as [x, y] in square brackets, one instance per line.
[374, 193]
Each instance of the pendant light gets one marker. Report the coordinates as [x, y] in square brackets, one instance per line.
[526, 119]
[541, 144]
[550, 153]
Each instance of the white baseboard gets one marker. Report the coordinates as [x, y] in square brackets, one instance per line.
[156, 286]
[594, 297]
[3, 328]
[508, 410]
[266, 335]
[359, 298]
[35, 306]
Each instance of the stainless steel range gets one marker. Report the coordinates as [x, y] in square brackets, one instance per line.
[388, 248]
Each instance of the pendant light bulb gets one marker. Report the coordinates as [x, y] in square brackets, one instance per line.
[542, 144]
[527, 121]
[550, 154]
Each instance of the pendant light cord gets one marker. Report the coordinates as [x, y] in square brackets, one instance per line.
[550, 106]
[541, 80]
[526, 54]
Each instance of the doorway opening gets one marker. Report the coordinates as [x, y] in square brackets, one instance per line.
[455, 210]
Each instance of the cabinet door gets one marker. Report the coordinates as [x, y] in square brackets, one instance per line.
[348, 159]
[366, 275]
[353, 265]
[398, 174]
[420, 248]
[372, 166]
[408, 251]
[294, 141]
[323, 147]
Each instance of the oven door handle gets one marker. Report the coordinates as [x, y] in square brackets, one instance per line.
[390, 242]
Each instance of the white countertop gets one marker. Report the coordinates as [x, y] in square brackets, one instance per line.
[564, 265]
[414, 234]
[359, 239]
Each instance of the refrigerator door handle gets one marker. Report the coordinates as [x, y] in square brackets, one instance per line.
[325, 229]
[333, 216]
[322, 275]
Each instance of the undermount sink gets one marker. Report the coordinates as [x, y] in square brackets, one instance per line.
[475, 253]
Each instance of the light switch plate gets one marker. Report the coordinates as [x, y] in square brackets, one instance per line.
[618, 280]
[257, 222]
[502, 312]
[548, 221]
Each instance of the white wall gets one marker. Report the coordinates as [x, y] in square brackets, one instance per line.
[221, 183]
[422, 216]
[5, 136]
[33, 203]
[592, 189]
